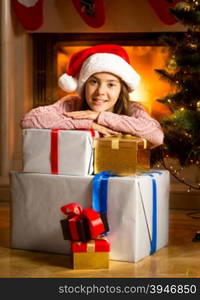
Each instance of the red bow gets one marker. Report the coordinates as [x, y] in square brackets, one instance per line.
[76, 213]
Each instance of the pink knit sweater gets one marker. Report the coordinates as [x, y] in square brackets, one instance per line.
[138, 122]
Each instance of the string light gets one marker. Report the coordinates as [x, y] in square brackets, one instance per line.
[176, 174]
[198, 105]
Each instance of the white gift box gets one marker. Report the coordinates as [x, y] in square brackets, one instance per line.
[36, 215]
[74, 151]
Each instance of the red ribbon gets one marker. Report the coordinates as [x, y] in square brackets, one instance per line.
[88, 129]
[98, 245]
[54, 151]
[74, 211]
[54, 147]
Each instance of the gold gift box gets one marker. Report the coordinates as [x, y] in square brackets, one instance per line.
[121, 155]
[91, 255]
[90, 260]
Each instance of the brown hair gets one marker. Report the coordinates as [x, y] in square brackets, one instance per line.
[120, 107]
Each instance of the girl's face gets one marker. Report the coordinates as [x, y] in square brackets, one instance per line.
[102, 91]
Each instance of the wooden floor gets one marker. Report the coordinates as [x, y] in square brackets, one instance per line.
[181, 258]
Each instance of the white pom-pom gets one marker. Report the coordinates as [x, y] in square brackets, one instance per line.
[67, 83]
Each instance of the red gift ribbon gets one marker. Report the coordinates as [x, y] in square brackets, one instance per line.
[74, 211]
[94, 221]
[99, 245]
[92, 131]
[54, 151]
[54, 147]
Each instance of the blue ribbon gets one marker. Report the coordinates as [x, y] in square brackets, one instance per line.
[154, 217]
[100, 191]
[153, 242]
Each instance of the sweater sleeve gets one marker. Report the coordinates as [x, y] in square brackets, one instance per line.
[138, 123]
[52, 116]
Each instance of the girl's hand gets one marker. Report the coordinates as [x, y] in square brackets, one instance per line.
[104, 130]
[83, 114]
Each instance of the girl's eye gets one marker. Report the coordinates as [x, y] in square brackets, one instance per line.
[111, 85]
[93, 81]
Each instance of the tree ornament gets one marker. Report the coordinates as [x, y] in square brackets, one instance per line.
[172, 65]
[183, 6]
[192, 46]
[198, 105]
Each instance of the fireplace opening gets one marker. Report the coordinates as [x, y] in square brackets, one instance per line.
[52, 51]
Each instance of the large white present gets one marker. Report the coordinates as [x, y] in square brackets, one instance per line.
[138, 217]
[58, 151]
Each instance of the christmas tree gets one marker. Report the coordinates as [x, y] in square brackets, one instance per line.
[182, 126]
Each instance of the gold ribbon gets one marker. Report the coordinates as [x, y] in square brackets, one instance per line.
[115, 143]
[90, 246]
[115, 140]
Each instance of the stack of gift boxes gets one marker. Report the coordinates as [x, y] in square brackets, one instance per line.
[85, 229]
[95, 181]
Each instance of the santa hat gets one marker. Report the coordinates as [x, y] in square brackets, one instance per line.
[100, 58]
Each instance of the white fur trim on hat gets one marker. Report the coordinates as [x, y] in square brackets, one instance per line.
[68, 83]
[108, 62]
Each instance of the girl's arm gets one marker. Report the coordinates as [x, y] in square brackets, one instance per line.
[138, 123]
[52, 116]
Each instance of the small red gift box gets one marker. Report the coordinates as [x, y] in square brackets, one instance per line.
[75, 229]
[100, 245]
[82, 224]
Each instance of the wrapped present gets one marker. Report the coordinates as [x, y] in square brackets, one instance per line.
[82, 224]
[137, 210]
[91, 255]
[122, 155]
[58, 151]
[75, 229]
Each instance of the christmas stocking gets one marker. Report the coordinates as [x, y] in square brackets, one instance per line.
[161, 8]
[29, 13]
[91, 11]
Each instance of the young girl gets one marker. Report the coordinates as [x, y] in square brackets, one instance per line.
[103, 78]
